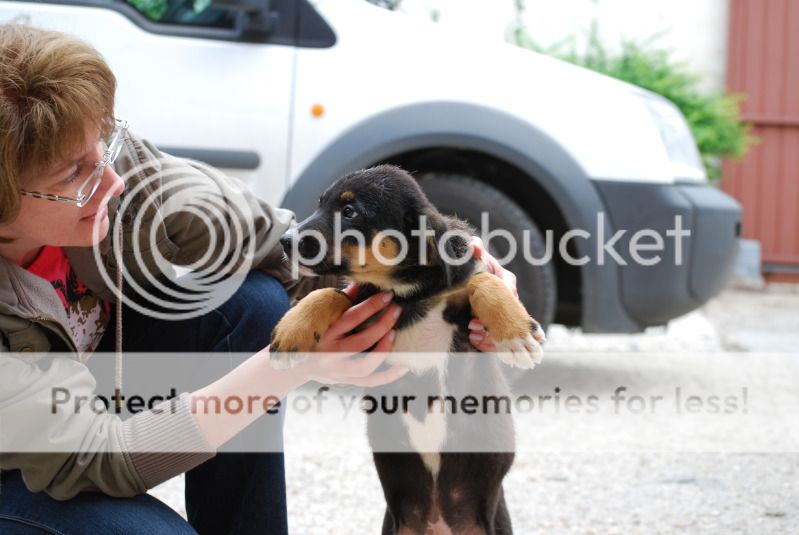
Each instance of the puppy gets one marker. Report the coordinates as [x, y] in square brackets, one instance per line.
[376, 228]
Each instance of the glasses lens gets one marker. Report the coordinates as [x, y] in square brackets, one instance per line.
[89, 187]
[114, 150]
[114, 145]
[111, 150]
[94, 188]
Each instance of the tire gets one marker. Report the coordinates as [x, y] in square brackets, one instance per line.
[466, 198]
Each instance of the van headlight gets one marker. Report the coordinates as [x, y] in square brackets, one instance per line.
[676, 136]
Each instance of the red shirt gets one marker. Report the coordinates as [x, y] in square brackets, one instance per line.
[87, 315]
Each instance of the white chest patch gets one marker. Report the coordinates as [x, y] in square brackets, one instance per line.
[428, 437]
[422, 347]
[431, 335]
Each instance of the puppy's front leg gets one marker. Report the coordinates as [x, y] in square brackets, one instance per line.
[518, 336]
[304, 324]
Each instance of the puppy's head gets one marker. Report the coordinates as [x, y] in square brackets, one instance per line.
[376, 226]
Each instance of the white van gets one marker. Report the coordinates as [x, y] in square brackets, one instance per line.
[290, 94]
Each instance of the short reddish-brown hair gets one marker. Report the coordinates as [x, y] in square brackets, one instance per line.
[51, 84]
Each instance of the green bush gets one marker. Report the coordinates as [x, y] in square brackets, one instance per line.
[714, 119]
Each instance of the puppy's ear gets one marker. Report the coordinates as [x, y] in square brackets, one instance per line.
[439, 250]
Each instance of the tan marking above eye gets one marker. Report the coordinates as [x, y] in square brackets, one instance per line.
[347, 196]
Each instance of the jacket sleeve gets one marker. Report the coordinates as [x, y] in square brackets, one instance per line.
[200, 218]
[63, 443]
[66, 451]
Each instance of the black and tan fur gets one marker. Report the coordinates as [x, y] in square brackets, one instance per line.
[437, 490]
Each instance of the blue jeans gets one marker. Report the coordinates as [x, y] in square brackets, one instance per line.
[236, 493]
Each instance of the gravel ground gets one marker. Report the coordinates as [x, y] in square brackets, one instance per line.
[590, 486]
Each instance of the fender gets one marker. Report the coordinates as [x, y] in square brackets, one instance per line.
[465, 125]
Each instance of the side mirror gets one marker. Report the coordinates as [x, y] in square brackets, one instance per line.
[252, 17]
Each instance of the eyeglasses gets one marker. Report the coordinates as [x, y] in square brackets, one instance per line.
[88, 187]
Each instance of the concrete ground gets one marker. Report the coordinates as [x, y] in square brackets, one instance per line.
[609, 473]
[757, 320]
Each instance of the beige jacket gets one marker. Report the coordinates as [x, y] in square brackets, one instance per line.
[33, 320]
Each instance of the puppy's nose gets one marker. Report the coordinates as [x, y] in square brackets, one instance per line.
[285, 241]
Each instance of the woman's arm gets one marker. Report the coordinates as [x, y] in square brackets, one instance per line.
[330, 363]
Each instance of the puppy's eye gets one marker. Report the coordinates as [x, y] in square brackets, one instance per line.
[348, 212]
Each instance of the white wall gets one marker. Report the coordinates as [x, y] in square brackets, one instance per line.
[696, 30]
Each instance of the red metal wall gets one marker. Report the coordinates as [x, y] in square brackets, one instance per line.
[763, 63]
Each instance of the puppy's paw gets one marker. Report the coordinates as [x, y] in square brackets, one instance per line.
[291, 341]
[284, 361]
[296, 334]
[523, 351]
[304, 325]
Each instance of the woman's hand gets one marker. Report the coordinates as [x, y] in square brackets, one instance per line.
[332, 362]
[478, 336]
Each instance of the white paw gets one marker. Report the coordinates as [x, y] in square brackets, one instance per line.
[522, 353]
[284, 361]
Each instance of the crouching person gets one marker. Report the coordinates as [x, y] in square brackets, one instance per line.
[92, 222]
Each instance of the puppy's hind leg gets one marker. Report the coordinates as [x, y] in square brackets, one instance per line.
[389, 526]
[502, 524]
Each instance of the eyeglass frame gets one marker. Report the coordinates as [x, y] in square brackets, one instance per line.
[111, 153]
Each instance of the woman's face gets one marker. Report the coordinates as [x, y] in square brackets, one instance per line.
[43, 222]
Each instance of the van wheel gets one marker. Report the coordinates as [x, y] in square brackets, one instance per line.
[467, 198]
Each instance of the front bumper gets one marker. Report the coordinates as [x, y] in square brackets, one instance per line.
[652, 295]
